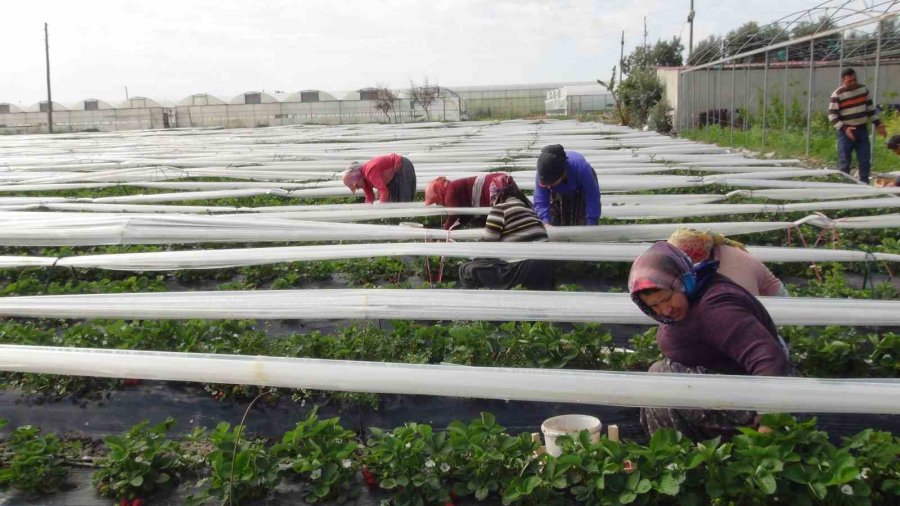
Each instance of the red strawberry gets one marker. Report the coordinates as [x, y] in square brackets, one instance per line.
[124, 502]
[369, 478]
[137, 502]
[629, 467]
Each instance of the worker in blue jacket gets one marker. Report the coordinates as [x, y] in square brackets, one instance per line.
[566, 191]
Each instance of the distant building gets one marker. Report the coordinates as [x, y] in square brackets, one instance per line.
[571, 100]
[258, 108]
[506, 100]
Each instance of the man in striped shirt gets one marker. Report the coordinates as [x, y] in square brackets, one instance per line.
[849, 111]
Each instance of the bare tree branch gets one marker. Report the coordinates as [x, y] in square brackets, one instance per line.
[424, 95]
[384, 101]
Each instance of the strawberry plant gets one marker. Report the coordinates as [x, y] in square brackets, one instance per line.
[639, 357]
[323, 454]
[876, 454]
[834, 284]
[485, 458]
[794, 460]
[140, 462]
[240, 469]
[411, 461]
[37, 462]
[842, 352]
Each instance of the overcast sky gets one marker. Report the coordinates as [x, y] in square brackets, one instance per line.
[168, 49]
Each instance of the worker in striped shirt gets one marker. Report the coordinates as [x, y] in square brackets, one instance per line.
[512, 219]
[849, 111]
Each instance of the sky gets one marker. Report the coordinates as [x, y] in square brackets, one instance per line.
[165, 49]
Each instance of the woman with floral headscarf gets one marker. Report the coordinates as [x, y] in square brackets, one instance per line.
[708, 325]
[512, 219]
[392, 175]
[734, 260]
[466, 192]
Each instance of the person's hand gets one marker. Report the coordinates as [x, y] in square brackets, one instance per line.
[882, 131]
[850, 132]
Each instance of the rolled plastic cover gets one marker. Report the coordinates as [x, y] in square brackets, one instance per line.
[436, 304]
[239, 257]
[362, 212]
[56, 229]
[773, 394]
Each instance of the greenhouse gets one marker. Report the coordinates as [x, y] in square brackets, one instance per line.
[210, 316]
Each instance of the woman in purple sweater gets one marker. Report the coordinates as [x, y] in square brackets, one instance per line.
[708, 325]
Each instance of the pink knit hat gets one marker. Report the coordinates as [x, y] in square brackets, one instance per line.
[435, 190]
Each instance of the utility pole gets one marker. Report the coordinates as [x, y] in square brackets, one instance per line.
[621, 56]
[645, 31]
[126, 93]
[49, 96]
[691, 31]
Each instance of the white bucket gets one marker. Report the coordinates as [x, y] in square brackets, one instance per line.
[568, 425]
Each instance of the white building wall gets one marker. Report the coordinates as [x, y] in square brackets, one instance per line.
[709, 90]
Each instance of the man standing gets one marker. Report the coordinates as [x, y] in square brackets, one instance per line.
[849, 111]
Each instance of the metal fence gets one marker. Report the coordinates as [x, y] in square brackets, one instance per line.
[786, 86]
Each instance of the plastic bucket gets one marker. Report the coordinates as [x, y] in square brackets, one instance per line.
[568, 425]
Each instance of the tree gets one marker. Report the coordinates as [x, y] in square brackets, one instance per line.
[424, 95]
[615, 92]
[661, 54]
[640, 92]
[707, 50]
[751, 36]
[668, 54]
[384, 101]
[824, 48]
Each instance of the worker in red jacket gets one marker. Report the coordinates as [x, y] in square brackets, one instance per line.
[392, 175]
[466, 192]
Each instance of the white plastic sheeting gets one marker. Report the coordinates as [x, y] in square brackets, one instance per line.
[94, 230]
[856, 222]
[432, 304]
[378, 212]
[239, 257]
[608, 199]
[765, 394]
[67, 229]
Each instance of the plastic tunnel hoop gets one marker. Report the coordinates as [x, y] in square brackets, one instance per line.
[430, 304]
[767, 394]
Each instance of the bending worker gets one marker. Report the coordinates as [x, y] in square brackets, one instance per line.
[392, 175]
[512, 219]
[472, 191]
[566, 190]
[734, 260]
[708, 324]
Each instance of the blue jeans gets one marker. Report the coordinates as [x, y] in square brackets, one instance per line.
[863, 149]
